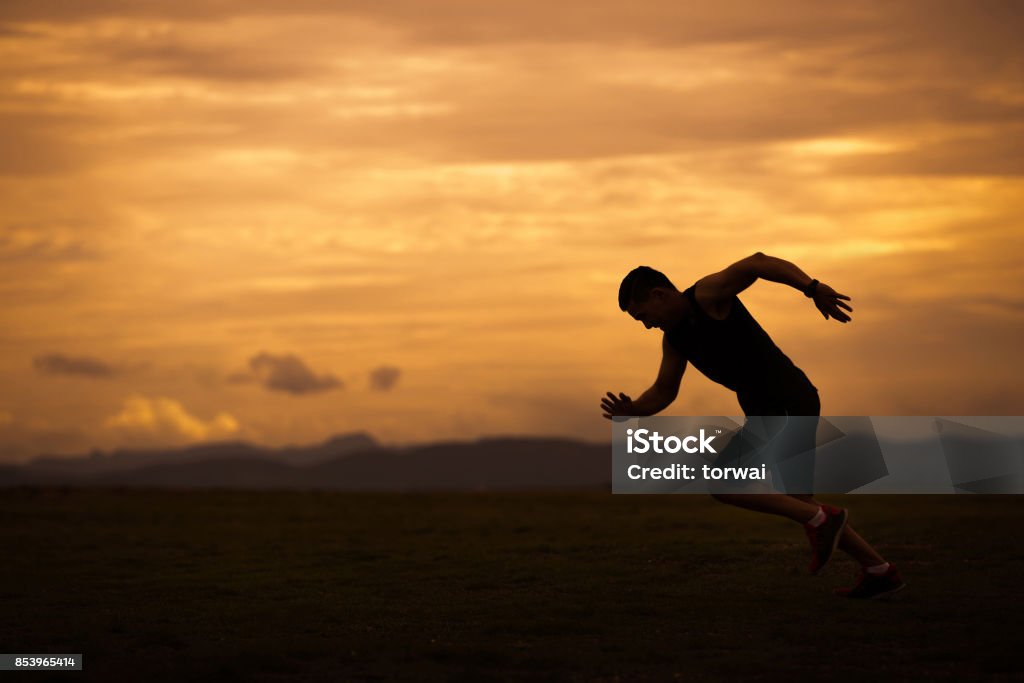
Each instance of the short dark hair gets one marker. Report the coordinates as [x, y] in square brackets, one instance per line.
[637, 285]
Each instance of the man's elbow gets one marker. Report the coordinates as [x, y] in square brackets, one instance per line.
[757, 264]
[667, 393]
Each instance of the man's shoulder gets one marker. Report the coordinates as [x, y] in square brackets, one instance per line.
[711, 300]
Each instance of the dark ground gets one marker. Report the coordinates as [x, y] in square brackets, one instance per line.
[233, 586]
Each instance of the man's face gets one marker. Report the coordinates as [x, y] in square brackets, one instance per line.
[654, 312]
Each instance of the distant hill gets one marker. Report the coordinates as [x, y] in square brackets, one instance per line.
[123, 460]
[347, 462]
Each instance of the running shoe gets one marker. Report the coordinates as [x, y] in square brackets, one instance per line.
[874, 586]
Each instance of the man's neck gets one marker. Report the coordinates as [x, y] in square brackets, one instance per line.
[685, 307]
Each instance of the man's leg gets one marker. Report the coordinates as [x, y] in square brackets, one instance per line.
[803, 508]
[743, 449]
[850, 542]
[783, 440]
[879, 577]
[823, 525]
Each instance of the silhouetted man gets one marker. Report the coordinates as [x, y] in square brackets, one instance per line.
[709, 326]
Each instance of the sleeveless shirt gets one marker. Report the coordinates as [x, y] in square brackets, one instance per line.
[737, 353]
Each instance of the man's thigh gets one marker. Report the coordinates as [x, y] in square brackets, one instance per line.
[785, 444]
[792, 455]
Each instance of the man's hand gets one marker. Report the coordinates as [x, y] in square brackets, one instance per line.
[829, 303]
[614, 406]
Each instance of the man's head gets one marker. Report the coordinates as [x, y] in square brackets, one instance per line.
[650, 297]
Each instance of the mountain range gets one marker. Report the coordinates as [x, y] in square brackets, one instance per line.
[349, 462]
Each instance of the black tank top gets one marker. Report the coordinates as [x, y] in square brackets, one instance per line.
[737, 353]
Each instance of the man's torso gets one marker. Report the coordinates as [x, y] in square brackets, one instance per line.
[726, 344]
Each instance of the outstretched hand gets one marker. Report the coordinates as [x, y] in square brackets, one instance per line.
[615, 406]
[830, 303]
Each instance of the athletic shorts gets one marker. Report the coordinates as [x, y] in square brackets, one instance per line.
[781, 435]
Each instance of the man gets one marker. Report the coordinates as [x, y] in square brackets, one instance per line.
[709, 326]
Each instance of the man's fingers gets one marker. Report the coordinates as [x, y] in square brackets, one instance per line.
[842, 305]
[612, 404]
[838, 314]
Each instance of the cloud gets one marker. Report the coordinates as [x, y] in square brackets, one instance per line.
[162, 419]
[59, 364]
[996, 154]
[166, 56]
[47, 241]
[11, 32]
[667, 22]
[653, 78]
[241, 166]
[288, 373]
[384, 377]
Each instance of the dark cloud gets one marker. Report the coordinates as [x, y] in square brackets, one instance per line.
[949, 35]
[806, 69]
[14, 32]
[224, 63]
[38, 241]
[384, 377]
[655, 21]
[59, 364]
[288, 373]
[535, 118]
[560, 114]
[565, 123]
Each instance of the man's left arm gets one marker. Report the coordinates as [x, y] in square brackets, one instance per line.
[828, 301]
[740, 275]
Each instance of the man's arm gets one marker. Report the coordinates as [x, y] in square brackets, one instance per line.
[727, 283]
[659, 396]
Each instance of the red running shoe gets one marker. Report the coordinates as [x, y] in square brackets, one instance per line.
[872, 586]
[825, 537]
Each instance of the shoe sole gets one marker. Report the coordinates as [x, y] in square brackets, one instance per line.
[877, 596]
[888, 594]
[835, 543]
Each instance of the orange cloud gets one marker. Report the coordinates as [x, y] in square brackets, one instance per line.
[162, 419]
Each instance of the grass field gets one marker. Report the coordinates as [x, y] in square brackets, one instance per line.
[238, 586]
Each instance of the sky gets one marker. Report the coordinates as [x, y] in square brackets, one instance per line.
[279, 221]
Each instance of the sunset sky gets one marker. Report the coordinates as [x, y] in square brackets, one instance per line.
[279, 221]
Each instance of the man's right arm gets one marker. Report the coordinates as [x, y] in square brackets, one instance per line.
[659, 396]
[665, 387]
